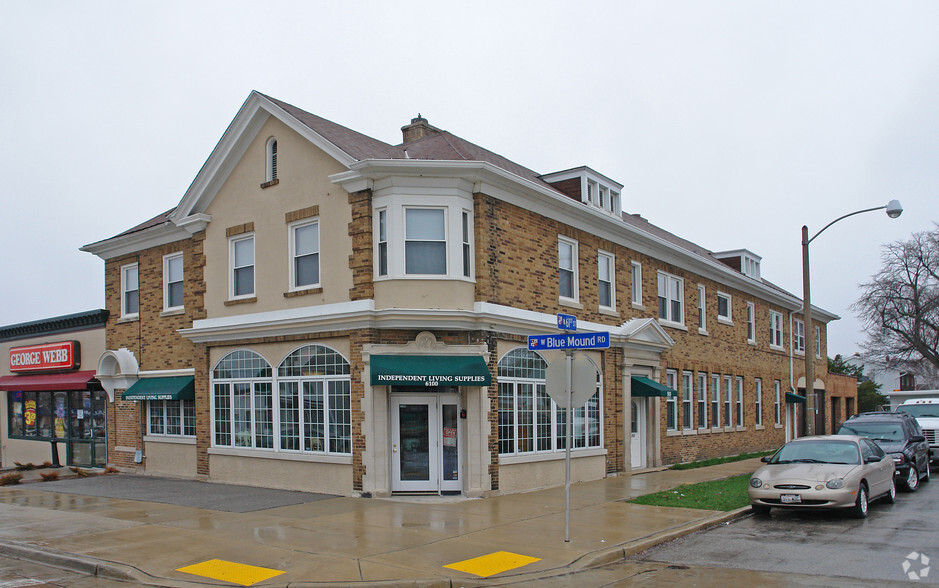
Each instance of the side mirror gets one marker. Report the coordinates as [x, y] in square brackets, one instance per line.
[917, 438]
[766, 458]
[873, 459]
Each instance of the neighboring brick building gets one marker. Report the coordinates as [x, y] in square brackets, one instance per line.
[324, 311]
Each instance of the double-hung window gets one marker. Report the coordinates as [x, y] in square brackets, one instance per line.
[739, 404]
[702, 400]
[305, 255]
[798, 336]
[775, 330]
[382, 243]
[567, 268]
[728, 399]
[687, 391]
[425, 241]
[173, 281]
[130, 291]
[467, 248]
[724, 305]
[715, 401]
[636, 282]
[671, 299]
[758, 391]
[241, 252]
[605, 279]
[671, 403]
[776, 403]
[818, 341]
[751, 323]
[702, 310]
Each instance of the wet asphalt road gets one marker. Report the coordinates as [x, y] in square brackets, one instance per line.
[820, 543]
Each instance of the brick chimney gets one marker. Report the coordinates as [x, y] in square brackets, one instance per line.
[418, 129]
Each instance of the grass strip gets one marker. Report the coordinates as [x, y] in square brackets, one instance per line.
[725, 495]
[716, 460]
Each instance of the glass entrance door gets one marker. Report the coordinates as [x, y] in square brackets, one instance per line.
[87, 428]
[425, 448]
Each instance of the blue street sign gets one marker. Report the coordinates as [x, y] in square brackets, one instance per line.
[567, 322]
[569, 341]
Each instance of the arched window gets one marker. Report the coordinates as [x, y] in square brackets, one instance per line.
[271, 159]
[315, 401]
[242, 410]
[529, 421]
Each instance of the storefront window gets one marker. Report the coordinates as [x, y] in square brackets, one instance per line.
[527, 415]
[311, 411]
[37, 415]
[172, 417]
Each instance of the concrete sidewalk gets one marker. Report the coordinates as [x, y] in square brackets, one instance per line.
[311, 539]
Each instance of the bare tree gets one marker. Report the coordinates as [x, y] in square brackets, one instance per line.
[900, 305]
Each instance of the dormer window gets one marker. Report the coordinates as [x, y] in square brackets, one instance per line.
[587, 186]
[745, 262]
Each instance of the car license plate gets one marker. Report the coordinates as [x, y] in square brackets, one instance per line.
[790, 498]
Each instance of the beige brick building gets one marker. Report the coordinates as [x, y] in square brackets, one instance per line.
[324, 311]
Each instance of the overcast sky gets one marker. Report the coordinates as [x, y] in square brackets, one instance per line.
[730, 124]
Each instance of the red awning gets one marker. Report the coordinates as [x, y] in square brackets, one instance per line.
[38, 382]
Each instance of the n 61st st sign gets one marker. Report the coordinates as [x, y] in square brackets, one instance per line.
[569, 341]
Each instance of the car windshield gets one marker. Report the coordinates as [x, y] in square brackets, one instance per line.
[822, 451]
[875, 431]
[920, 410]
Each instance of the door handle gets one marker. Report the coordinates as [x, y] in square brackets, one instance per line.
[394, 449]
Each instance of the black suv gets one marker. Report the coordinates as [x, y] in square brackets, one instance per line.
[900, 436]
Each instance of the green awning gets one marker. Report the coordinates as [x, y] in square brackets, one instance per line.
[645, 388]
[792, 398]
[168, 388]
[430, 370]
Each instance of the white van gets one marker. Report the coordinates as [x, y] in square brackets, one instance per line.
[926, 411]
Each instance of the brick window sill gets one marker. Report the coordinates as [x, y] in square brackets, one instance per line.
[273, 182]
[241, 301]
[307, 292]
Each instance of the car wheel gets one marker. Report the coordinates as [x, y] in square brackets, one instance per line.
[760, 509]
[861, 504]
[891, 497]
[912, 479]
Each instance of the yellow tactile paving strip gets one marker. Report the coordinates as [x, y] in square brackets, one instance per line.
[229, 571]
[492, 564]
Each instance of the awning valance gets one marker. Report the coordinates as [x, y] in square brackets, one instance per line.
[42, 382]
[645, 388]
[166, 388]
[429, 370]
[792, 398]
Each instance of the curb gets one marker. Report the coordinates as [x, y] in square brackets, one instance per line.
[76, 563]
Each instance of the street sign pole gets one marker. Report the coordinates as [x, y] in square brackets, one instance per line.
[567, 451]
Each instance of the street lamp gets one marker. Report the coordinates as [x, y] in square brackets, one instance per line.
[893, 210]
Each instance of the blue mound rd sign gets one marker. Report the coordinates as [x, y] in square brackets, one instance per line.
[569, 341]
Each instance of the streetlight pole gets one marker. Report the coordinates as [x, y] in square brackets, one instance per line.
[893, 210]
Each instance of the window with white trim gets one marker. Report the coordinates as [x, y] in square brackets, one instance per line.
[776, 403]
[715, 401]
[467, 247]
[818, 341]
[671, 298]
[775, 330]
[567, 269]
[702, 400]
[175, 418]
[702, 309]
[241, 254]
[382, 257]
[529, 421]
[605, 284]
[751, 323]
[724, 308]
[758, 402]
[304, 254]
[271, 159]
[425, 241]
[728, 401]
[130, 291]
[739, 404]
[311, 413]
[798, 336]
[173, 281]
[687, 391]
[635, 274]
[671, 403]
